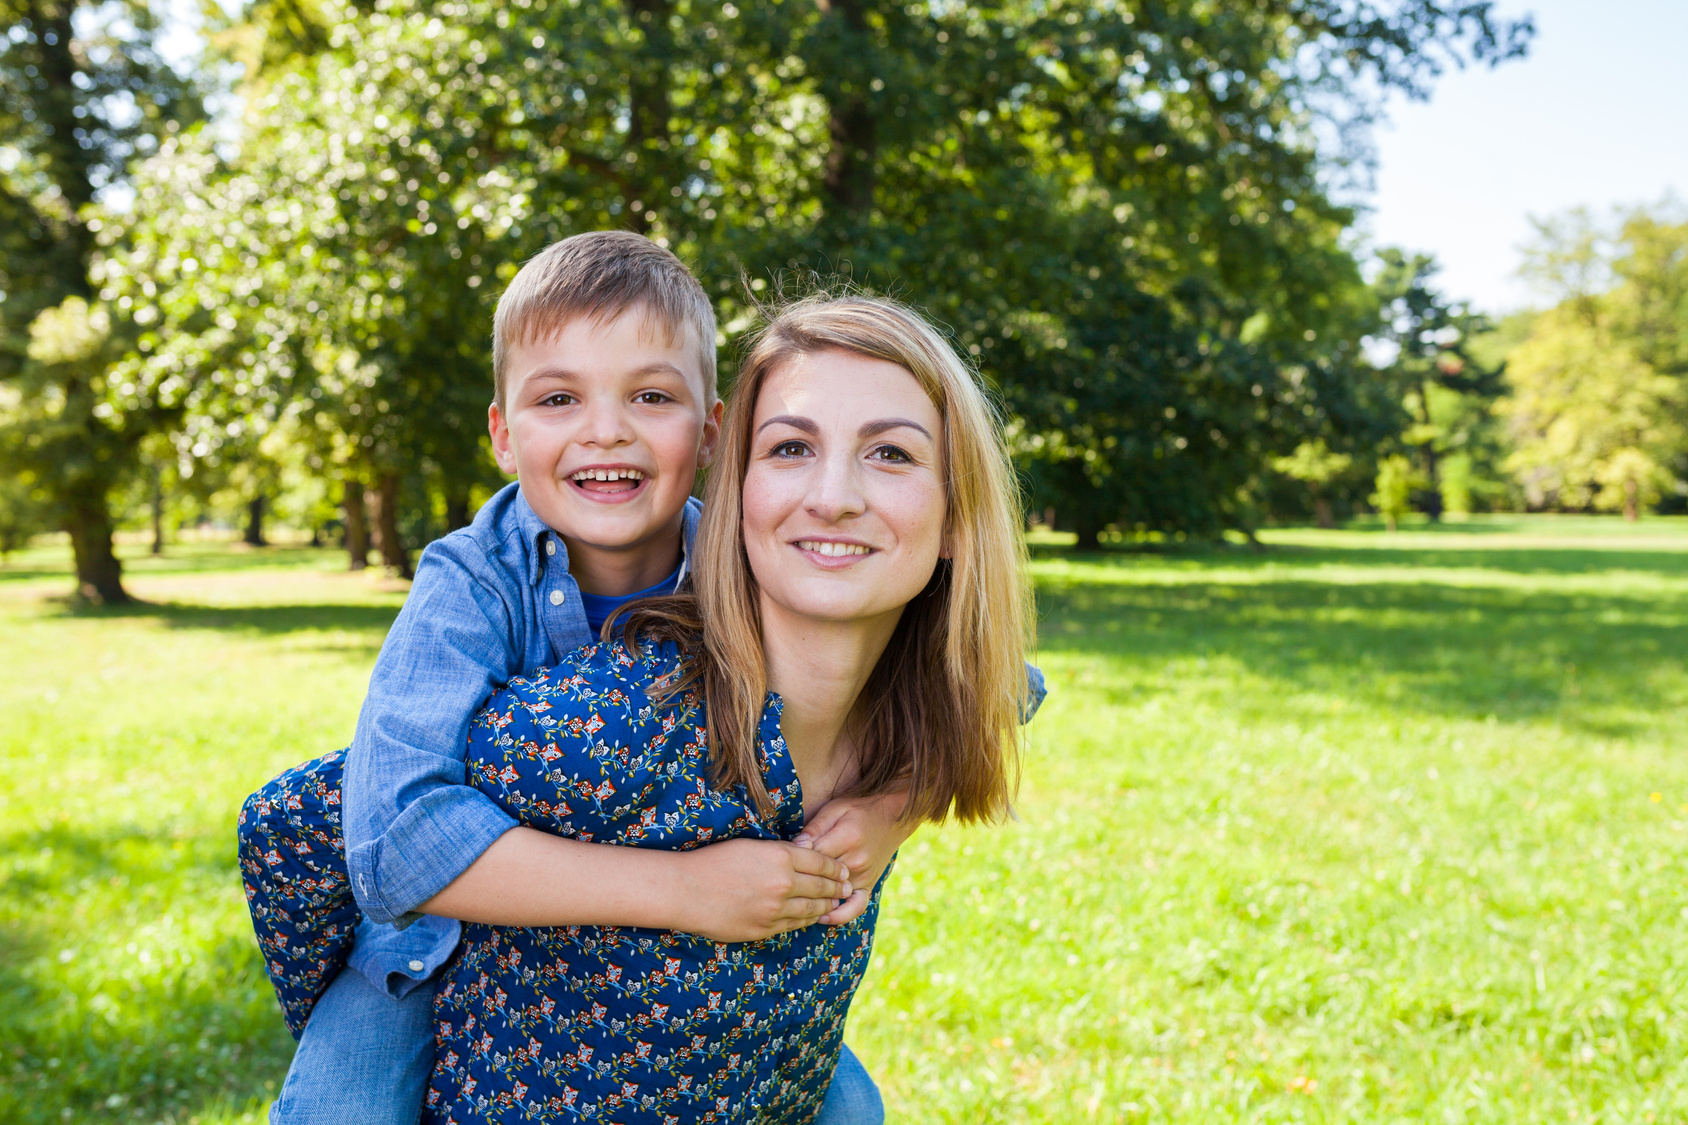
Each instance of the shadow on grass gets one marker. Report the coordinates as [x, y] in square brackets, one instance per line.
[191, 558]
[269, 620]
[1516, 560]
[94, 1030]
[1467, 652]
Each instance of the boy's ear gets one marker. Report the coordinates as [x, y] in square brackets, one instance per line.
[711, 435]
[499, 428]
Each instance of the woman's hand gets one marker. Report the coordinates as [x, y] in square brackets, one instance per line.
[863, 833]
[747, 890]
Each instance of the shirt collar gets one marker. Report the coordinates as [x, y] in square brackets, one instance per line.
[535, 533]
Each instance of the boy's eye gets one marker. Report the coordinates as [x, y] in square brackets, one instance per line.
[650, 398]
[560, 398]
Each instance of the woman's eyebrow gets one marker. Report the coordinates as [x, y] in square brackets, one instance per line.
[879, 427]
[792, 420]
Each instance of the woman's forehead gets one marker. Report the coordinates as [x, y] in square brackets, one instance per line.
[844, 386]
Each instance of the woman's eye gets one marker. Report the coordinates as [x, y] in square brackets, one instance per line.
[892, 453]
[790, 449]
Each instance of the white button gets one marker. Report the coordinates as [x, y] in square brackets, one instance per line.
[550, 546]
[416, 966]
[556, 597]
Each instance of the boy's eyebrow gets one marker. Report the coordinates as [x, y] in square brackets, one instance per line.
[660, 367]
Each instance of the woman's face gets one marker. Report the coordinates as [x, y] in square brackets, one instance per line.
[844, 493]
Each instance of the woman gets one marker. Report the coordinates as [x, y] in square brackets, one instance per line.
[857, 626]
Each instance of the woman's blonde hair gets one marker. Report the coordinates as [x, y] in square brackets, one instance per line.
[942, 709]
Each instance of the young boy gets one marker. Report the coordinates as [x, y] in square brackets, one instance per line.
[604, 409]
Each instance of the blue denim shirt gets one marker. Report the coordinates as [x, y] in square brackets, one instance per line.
[490, 601]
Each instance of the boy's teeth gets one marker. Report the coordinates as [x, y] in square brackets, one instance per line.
[822, 547]
[608, 474]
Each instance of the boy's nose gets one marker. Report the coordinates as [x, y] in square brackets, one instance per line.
[606, 425]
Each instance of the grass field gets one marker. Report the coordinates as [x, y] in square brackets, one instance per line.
[1363, 827]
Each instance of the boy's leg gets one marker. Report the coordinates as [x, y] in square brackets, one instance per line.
[364, 1057]
[852, 1099]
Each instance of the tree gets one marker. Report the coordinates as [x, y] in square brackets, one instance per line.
[1396, 480]
[1594, 424]
[1443, 389]
[83, 95]
[1314, 465]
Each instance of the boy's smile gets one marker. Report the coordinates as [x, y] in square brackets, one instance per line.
[606, 426]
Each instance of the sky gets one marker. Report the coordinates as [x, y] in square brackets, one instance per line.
[1596, 116]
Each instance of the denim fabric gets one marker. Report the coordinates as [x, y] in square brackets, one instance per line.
[365, 1057]
[490, 601]
[852, 1099]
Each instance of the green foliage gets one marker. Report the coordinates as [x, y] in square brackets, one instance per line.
[1599, 385]
[1355, 829]
[1443, 391]
[83, 94]
[1119, 213]
[1397, 479]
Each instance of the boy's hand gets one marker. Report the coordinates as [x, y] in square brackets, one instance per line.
[863, 833]
[747, 890]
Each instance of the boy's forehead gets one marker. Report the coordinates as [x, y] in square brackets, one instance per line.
[559, 345]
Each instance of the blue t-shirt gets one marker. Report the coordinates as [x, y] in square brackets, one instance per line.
[599, 608]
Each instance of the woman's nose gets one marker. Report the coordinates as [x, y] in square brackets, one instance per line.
[835, 490]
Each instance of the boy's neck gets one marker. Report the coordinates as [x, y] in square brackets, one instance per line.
[615, 572]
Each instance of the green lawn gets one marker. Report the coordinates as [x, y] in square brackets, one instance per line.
[1363, 827]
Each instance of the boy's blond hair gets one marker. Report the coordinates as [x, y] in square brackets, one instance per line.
[599, 276]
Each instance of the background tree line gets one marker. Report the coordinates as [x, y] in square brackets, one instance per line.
[1126, 212]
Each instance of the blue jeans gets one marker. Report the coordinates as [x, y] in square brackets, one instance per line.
[366, 1058]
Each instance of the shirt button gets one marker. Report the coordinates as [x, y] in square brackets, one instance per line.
[550, 546]
[416, 966]
[556, 597]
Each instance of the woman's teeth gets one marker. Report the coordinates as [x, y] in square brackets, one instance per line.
[823, 547]
[608, 474]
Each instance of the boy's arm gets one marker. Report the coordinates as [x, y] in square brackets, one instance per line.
[411, 824]
[736, 890]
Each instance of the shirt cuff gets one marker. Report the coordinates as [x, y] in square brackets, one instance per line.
[431, 843]
[398, 962]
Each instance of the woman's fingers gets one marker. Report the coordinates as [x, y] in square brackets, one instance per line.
[806, 862]
[818, 887]
[848, 911]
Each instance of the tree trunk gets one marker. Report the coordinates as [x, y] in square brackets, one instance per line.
[99, 574]
[1089, 534]
[357, 528]
[157, 512]
[389, 543]
[457, 512]
[649, 110]
[1632, 501]
[1322, 513]
[852, 128]
[255, 522]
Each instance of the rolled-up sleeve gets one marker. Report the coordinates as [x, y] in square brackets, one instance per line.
[411, 824]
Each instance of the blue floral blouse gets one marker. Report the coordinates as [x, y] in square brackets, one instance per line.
[586, 1023]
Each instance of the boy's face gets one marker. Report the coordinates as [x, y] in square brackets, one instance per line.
[612, 400]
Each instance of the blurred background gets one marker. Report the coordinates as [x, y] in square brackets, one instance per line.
[1343, 347]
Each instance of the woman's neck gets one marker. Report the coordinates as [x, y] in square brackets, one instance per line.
[819, 669]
